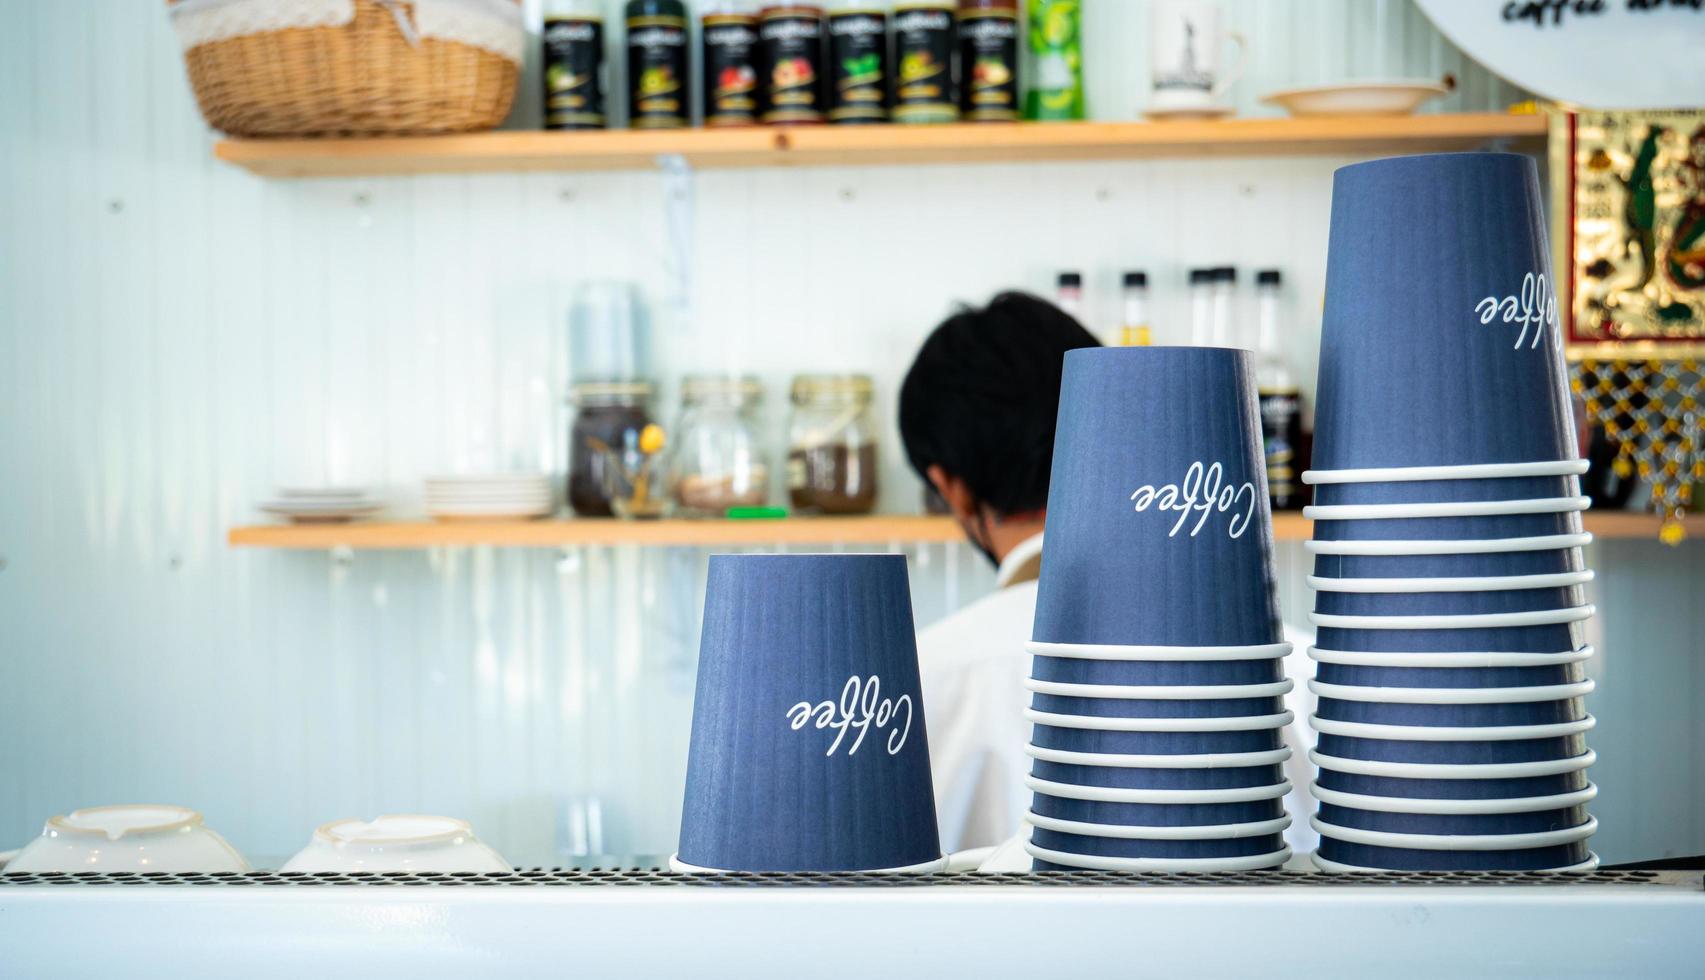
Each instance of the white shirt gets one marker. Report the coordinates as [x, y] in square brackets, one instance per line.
[973, 665]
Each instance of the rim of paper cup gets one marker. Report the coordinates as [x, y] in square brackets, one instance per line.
[928, 867]
[1451, 583]
[1119, 794]
[1324, 864]
[1113, 651]
[1464, 471]
[1089, 862]
[455, 828]
[1456, 842]
[1374, 658]
[1468, 546]
[1428, 733]
[1456, 621]
[1453, 695]
[1453, 770]
[1119, 831]
[1160, 692]
[1476, 508]
[1458, 808]
[1097, 723]
[185, 817]
[1116, 760]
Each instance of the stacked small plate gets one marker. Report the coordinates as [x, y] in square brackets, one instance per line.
[1448, 568]
[488, 496]
[322, 505]
[1157, 680]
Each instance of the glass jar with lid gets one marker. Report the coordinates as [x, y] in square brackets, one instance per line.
[609, 420]
[719, 458]
[832, 446]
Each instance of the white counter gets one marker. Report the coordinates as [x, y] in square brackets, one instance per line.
[566, 925]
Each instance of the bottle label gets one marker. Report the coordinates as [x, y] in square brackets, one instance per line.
[730, 74]
[574, 67]
[988, 64]
[657, 72]
[923, 45]
[1281, 430]
[858, 64]
[790, 52]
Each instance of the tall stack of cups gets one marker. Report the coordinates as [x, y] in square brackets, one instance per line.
[1157, 682]
[1447, 537]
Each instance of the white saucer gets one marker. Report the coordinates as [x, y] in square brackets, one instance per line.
[1193, 112]
[1397, 97]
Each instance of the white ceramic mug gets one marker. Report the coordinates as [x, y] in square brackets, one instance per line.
[1185, 72]
[128, 838]
[411, 842]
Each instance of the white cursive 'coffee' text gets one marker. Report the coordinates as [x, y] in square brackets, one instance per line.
[863, 707]
[1534, 308]
[1203, 491]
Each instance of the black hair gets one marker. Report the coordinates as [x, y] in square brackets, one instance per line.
[980, 399]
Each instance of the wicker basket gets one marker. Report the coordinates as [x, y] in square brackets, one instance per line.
[378, 72]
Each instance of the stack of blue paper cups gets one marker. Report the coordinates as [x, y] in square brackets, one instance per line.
[1157, 683]
[1447, 539]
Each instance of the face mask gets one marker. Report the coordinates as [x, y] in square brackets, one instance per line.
[980, 540]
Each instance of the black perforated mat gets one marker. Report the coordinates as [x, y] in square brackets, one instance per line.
[547, 878]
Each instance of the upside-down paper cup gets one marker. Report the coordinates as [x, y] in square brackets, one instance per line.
[1361, 778]
[1338, 667]
[1140, 777]
[1073, 739]
[1158, 528]
[1138, 665]
[1535, 851]
[1115, 847]
[1448, 491]
[1193, 815]
[1563, 555]
[1390, 746]
[808, 746]
[1564, 518]
[1440, 343]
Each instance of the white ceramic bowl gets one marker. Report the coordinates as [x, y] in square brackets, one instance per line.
[135, 837]
[406, 842]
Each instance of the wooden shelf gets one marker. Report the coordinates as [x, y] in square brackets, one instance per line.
[880, 531]
[509, 151]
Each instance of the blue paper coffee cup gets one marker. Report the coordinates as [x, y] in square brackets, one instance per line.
[1066, 670]
[1144, 847]
[1474, 528]
[1452, 715]
[1467, 678]
[1442, 491]
[1158, 708]
[808, 748]
[1429, 752]
[1447, 603]
[1158, 477]
[1157, 814]
[1528, 787]
[1139, 777]
[1410, 859]
[1442, 824]
[1440, 343]
[1154, 743]
[1554, 561]
[1547, 638]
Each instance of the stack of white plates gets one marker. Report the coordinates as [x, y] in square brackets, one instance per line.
[488, 496]
[322, 504]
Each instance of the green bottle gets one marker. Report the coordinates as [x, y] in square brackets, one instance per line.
[1056, 42]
